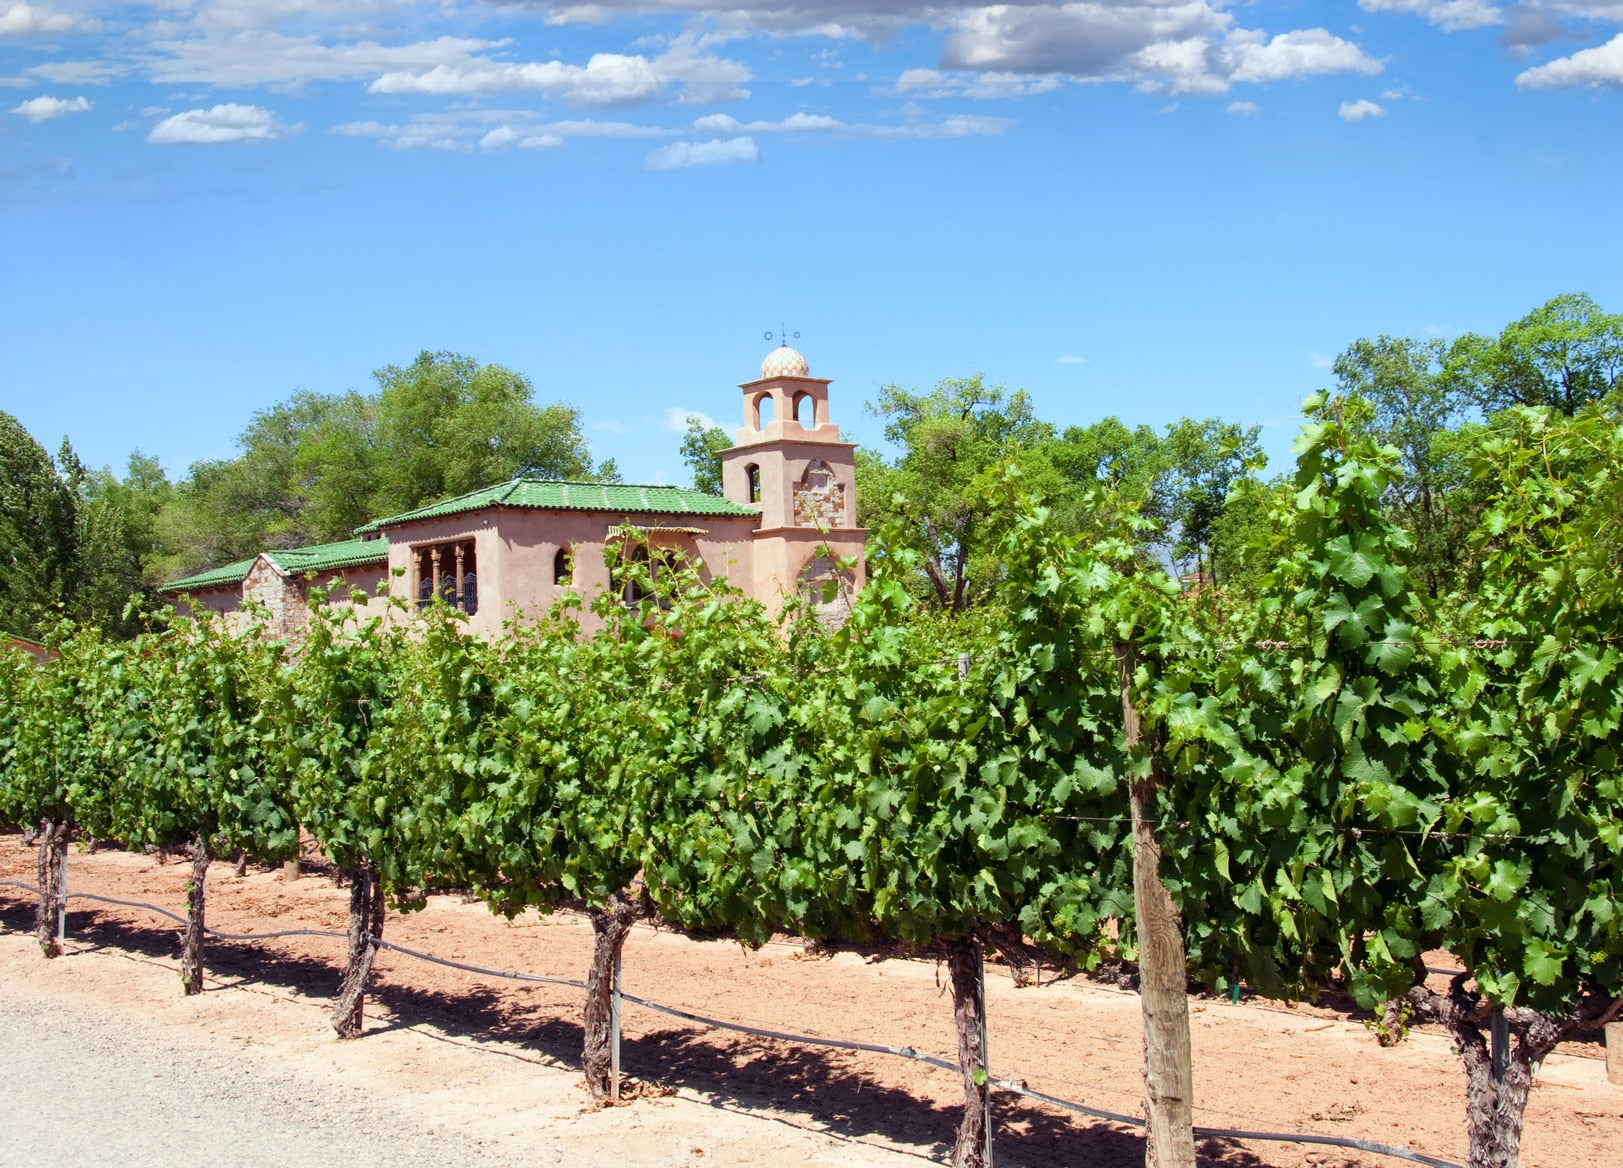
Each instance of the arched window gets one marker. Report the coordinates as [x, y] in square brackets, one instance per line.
[470, 592]
[806, 410]
[764, 409]
[752, 474]
[563, 567]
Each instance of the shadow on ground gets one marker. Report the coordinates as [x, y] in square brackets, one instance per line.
[805, 1086]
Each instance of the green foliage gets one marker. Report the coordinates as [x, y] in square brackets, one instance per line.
[1528, 893]
[1562, 356]
[701, 450]
[1418, 407]
[38, 532]
[934, 497]
[316, 466]
[1309, 755]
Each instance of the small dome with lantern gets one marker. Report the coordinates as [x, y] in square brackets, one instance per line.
[784, 362]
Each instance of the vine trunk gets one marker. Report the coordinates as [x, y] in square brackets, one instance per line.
[191, 949]
[366, 912]
[1495, 1104]
[965, 966]
[610, 927]
[53, 852]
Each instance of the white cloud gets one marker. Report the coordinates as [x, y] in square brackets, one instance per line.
[79, 72]
[1244, 109]
[1595, 68]
[716, 152]
[1450, 15]
[607, 79]
[222, 123]
[676, 419]
[503, 137]
[1319, 360]
[43, 109]
[256, 57]
[1357, 111]
[24, 19]
[956, 126]
[1294, 54]
[933, 83]
[15, 83]
[1072, 359]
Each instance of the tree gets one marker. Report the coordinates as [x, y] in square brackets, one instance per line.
[1203, 460]
[119, 546]
[701, 450]
[1563, 355]
[1419, 408]
[316, 466]
[448, 425]
[935, 495]
[39, 532]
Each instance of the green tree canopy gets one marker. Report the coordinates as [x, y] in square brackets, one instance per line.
[1563, 355]
[701, 450]
[316, 466]
[38, 531]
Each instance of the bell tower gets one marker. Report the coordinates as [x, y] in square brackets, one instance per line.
[789, 464]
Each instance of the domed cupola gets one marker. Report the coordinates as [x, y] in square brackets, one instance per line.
[784, 362]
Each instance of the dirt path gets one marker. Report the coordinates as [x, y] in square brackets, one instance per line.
[498, 1061]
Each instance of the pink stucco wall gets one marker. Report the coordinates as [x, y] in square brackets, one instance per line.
[515, 550]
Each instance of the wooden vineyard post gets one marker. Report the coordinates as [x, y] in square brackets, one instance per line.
[1163, 978]
[1614, 1053]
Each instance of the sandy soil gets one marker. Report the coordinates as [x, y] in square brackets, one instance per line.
[498, 1060]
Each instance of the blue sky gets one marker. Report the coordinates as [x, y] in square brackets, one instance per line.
[1148, 208]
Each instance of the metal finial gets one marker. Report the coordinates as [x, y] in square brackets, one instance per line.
[783, 335]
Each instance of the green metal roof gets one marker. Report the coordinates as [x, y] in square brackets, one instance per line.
[330, 557]
[321, 557]
[561, 495]
[213, 578]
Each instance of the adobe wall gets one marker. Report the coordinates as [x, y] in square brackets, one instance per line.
[515, 550]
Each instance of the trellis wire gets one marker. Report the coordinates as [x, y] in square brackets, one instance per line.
[906, 1052]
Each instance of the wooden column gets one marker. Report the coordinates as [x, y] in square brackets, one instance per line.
[434, 556]
[459, 576]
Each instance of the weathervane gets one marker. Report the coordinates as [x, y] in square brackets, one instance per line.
[783, 335]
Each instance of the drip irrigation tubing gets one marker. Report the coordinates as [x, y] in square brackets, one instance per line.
[906, 1052]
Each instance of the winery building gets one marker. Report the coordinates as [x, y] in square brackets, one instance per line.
[784, 525]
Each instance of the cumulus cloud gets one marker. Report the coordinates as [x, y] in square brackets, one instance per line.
[26, 19]
[43, 109]
[1357, 111]
[1599, 67]
[1182, 46]
[1450, 15]
[607, 79]
[505, 137]
[220, 124]
[716, 152]
[1244, 109]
